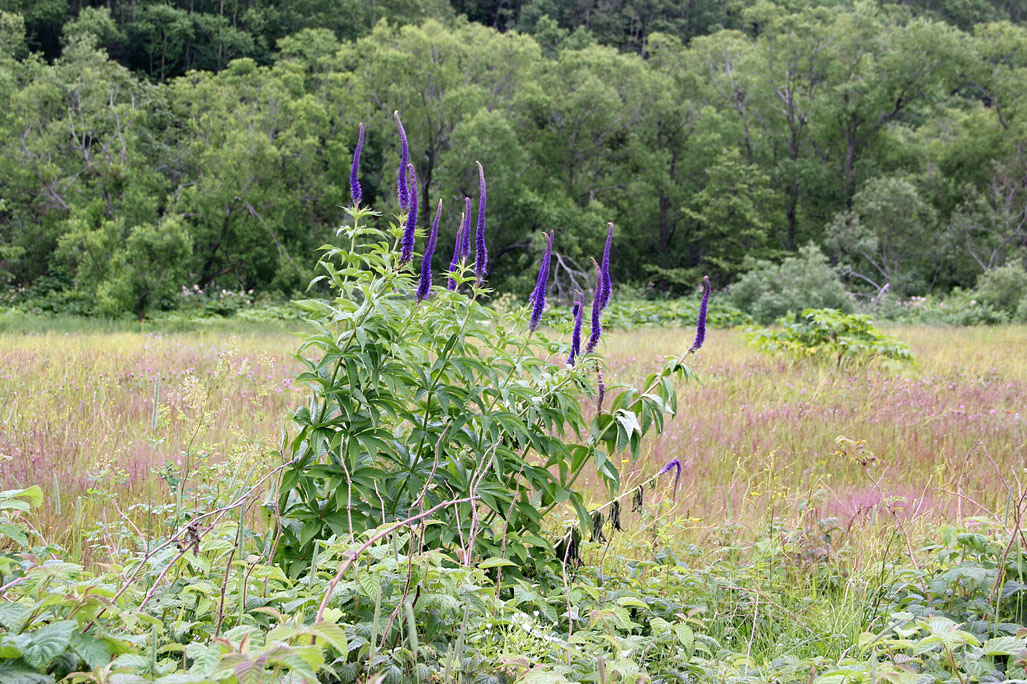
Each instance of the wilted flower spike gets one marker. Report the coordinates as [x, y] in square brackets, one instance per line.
[402, 191]
[465, 248]
[424, 285]
[607, 281]
[597, 528]
[615, 515]
[597, 311]
[601, 386]
[355, 191]
[538, 297]
[407, 243]
[454, 263]
[700, 328]
[481, 257]
[638, 499]
[568, 548]
[579, 306]
[672, 465]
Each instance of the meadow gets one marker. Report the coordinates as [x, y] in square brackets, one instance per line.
[816, 504]
[760, 436]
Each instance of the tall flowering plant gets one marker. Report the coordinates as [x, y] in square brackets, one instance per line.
[420, 394]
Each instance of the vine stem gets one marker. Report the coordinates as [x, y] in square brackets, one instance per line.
[389, 530]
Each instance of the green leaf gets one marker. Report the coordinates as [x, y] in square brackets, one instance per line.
[14, 615]
[93, 651]
[542, 677]
[371, 584]
[333, 634]
[34, 495]
[14, 672]
[47, 643]
[205, 658]
[16, 533]
[495, 563]
[1002, 646]
[687, 638]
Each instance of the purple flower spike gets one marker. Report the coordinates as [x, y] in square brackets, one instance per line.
[700, 328]
[355, 191]
[539, 295]
[402, 191]
[607, 282]
[407, 243]
[579, 306]
[481, 256]
[672, 465]
[465, 247]
[597, 311]
[454, 263]
[424, 286]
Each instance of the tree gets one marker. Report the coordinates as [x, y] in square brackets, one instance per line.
[886, 236]
[731, 215]
[877, 70]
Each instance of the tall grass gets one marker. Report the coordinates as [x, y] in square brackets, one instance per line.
[758, 435]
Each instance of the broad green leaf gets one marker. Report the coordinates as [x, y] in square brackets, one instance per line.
[47, 643]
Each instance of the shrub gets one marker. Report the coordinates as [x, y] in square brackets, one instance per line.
[959, 309]
[1004, 289]
[419, 401]
[768, 291]
[826, 334]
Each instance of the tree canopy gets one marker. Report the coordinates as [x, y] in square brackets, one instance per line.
[148, 146]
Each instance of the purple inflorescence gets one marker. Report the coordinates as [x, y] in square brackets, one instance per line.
[607, 281]
[465, 247]
[454, 263]
[402, 190]
[355, 191]
[700, 328]
[424, 286]
[672, 465]
[538, 296]
[597, 311]
[407, 243]
[579, 307]
[481, 257]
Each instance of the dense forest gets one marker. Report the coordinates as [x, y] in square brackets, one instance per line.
[149, 147]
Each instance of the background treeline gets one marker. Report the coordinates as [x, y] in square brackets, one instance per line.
[147, 147]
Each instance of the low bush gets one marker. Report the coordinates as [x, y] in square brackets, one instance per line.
[806, 281]
[829, 335]
[1004, 289]
[958, 309]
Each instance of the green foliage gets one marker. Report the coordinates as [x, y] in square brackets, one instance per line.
[1004, 289]
[732, 213]
[807, 281]
[655, 610]
[14, 504]
[632, 314]
[707, 133]
[413, 404]
[885, 234]
[829, 335]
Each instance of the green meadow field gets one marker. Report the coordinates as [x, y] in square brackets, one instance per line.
[812, 497]
[760, 435]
